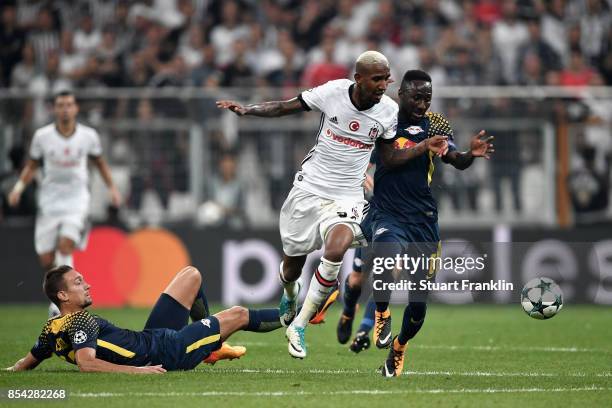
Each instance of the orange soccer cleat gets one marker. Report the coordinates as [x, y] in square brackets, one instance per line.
[225, 352]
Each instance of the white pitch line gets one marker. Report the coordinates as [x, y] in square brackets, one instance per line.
[476, 348]
[499, 348]
[331, 393]
[411, 373]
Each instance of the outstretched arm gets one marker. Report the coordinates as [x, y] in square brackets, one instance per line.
[108, 179]
[27, 174]
[393, 158]
[87, 362]
[480, 146]
[264, 109]
[29, 362]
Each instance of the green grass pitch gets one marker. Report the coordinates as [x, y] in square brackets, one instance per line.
[465, 356]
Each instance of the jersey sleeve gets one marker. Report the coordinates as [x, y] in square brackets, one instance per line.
[83, 331]
[439, 125]
[42, 349]
[390, 133]
[317, 98]
[95, 147]
[36, 150]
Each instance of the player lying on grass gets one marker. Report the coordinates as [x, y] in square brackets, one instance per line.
[167, 341]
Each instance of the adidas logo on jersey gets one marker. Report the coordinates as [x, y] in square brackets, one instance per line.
[334, 120]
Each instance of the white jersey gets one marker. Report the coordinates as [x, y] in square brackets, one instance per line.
[335, 167]
[64, 187]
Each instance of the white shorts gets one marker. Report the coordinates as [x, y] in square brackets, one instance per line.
[49, 228]
[306, 218]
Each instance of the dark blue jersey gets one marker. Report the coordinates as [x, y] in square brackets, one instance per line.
[66, 334]
[404, 192]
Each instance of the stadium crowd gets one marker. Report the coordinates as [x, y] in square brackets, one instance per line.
[47, 46]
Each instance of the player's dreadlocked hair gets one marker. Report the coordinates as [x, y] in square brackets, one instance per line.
[54, 282]
[415, 75]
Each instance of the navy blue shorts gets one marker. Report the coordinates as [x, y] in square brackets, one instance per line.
[177, 345]
[417, 239]
[167, 313]
[186, 348]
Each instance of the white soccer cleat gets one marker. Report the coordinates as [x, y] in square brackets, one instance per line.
[297, 344]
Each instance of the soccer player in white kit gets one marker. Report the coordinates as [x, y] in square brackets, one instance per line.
[63, 149]
[327, 202]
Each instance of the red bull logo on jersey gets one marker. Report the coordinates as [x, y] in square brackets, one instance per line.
[414, 130]
[403, 143]
[348, 141]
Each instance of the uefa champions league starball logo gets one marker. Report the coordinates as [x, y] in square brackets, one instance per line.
[541, 298]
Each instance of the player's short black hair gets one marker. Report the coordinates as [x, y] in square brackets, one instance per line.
[54, 282]
[64, 92]
[415, 75]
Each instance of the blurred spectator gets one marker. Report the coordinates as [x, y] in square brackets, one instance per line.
[589, 188]
[12, 41]
[25, 70]
[531, 72]
[549, 59]
[462, 71]
[429, 16]
[225, 196]
[201, 73]
[239, 72]
[487, 11]
[87, 38]
[46, 83]
[44, 37]
[192, 45]
[312, 17]
[288, 76]
[323, 68]
[509, 35]
[578, 73]
[108, 58]
[72, 63]
[554, 31]
[595, 24]
[224, 36]
[507, 164]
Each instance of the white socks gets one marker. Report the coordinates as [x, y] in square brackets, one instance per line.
[61, 259]
[291, 288]
[322, 282]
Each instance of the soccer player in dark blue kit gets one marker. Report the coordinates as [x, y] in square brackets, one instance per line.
[403, 218]
[167, 341]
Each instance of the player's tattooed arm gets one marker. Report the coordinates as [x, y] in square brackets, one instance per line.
[29, 362]
[271, 109]
[480, 146]
[393, 158]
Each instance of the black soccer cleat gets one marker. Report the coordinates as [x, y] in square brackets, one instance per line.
[344, 329]
[360, 342]
[382, 329]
